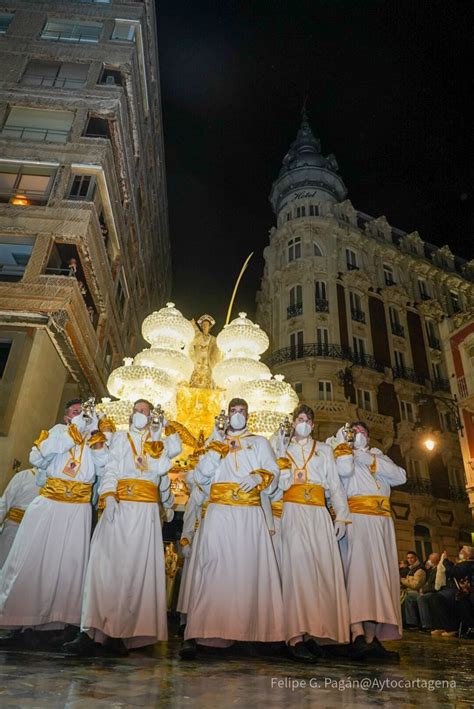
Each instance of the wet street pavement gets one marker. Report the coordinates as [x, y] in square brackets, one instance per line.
[436, 672]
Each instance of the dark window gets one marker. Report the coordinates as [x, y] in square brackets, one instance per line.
[5, 347]
[97, 128]
[82, 188]
[111, 77]
[15, 253]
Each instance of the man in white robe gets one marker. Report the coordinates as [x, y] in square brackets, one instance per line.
[314, 594]
[20, 491]
[124, 602]
[369, 548]
[235, 588]
[42, 580]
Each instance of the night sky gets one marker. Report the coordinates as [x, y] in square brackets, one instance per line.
[388, 89]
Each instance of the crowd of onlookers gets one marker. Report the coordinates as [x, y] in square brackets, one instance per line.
[437, 596]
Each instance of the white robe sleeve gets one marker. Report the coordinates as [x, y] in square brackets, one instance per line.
[345, 466]
[336, 490]
[267, 461]
[173, 445]
[7, 500]
[166, 496]
[286, 479]
[387, 469]
[109, 479]
[205, 470]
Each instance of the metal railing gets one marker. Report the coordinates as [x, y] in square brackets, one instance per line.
[409, 374]
[397, 329]
[417, 487]
[358, 315]
[68, 36]
[321, 305]
[458, 493]
[63, 82]
[41, 134]
[440, 385]
[319, 349]
[293, 311]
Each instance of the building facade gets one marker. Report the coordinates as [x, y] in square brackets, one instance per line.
[84, 244]
[353, 308]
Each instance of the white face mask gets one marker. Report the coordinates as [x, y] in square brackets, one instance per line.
[461, 557]
[238, 421]
[303, 429]
[139, 420]
[360, 441]
[79, 422]
[108, 436]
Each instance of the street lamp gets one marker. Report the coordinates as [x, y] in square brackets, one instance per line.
[451, 403]
[429, 444]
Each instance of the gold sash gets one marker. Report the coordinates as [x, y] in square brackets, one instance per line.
[204, 507]
[277, 508]
[305, 494]
[370, 505]
[66, 490]
[133, 490]
[230, 494]
[15, 514]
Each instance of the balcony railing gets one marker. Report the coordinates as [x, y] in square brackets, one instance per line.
[458, 493]
[63, 82]
[463, 388]
[319, 349]
[358, 315]
[434, 342]
[417, 487]
[440, 385]
[398, 329]
[408, 374]
[67, 36]
[322, 305]
[41, 134]
[293, 311]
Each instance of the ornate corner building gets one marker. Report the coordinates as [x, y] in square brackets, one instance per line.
[354, 307]
[84, 245]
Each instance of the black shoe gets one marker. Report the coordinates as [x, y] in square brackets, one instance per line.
[83, 646]
[381, 653]
[180, 631]
[114, 647]
[188, 650]
[362, 650]
[300, 653]
[314, 648]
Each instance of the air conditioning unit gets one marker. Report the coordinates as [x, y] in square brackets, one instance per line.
[110, 80]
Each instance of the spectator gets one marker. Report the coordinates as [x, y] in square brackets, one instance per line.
[412, 583]
[443, 605]
[463, 575]
[416, 606]
[403, 568]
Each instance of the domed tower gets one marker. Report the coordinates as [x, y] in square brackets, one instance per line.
[307, 178]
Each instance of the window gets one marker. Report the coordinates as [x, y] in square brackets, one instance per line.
[296, 302]
[296, 344]
[364, 399]
[298, 211]
[5, 348]
[38, 124]
[124, 31]
[455, 302]
[25, 185]
[111, 77]
[351, 260]
[320, 297]
[414, 469]
[324, 390]
[298, 387]
[357, 313]
[108, 357]
[407, 411]
[322, 340]
[294, 249]
[397, 327]
[388, 275]
[288, 216]
[68, 75]
[97, 128]
[423, 288]
[121, 295]
[82, 188]
[447, 423]
[317, 251]
[399, 359]
[432, 333]
[65, 31]
[423, 545]
[358, 345]
[5, 21]
[15, 253]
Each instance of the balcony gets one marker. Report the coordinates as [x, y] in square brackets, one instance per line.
[398, 329]
[358, 315]
[322, 305]
[409, 374]
[61, 82]
[457, 493]
[434, 342]
[319, 349]
[440, 385]
[417, 487]
[293, 311]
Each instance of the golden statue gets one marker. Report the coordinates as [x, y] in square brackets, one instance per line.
[204, 353]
